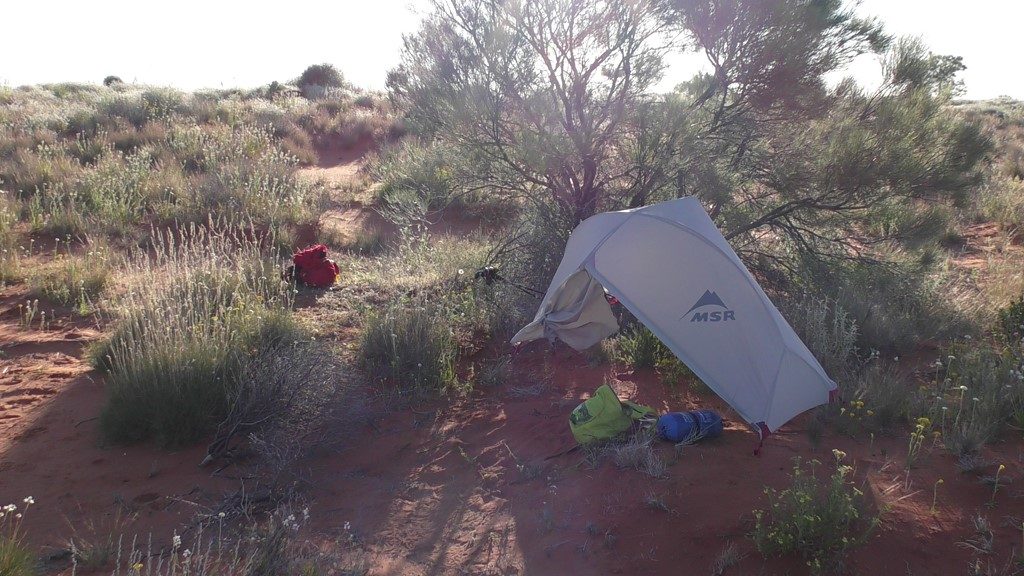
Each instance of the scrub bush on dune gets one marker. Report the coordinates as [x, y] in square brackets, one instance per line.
[638, 347]
[191, 314]
[105, 159]
[818, 519]
[411, 347]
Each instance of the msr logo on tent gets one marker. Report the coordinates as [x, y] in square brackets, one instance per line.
[710, 299]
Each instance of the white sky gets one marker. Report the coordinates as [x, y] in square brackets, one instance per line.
[226, 43]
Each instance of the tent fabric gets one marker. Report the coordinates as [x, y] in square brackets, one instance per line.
[670, 266]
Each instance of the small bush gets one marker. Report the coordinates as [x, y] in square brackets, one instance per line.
[1001, 200]
[1010, 325]
[411, 348]
[879, 398]
[982, 390]
[74, 280]
[16, 558]
[638, 347]
[10, 256]
[197, 307]
[819, 523]
[892, 306]
[827, 330]
[112, 80]
[321, 75]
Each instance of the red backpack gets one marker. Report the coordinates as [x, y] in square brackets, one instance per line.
[314, 268]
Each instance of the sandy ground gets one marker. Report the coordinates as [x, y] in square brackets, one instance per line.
[479, 485]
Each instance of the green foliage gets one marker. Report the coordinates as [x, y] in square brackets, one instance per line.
[1010, 323]
[321, 75]
[893, 306]
[977, 391]
[183, 331]
[829, 332]
[818, 520]
[424, 178]
[410, 347]
[638, 347]
[73, 280]
[10, 256]
[879, 399]
[1001, 199]
[16, 557]
[100, 159]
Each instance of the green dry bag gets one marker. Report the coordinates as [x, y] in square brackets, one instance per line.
[603, 416]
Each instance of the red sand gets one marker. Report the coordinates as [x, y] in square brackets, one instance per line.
[438, 490]
[435, 489]
[473, 486]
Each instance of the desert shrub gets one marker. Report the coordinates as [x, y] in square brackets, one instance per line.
[820, 521]
[114, 190]
[369, 243]
[672, 371]
[410, 347]
[893, 306]
[264, 546]
[16, 558]
[197, 306]
[321, 75]
[878, 398]
[74, 279]
[114, 159]
[112, 80]
[493, 373]
[281, 402]
[1001, 200]
[439, 273]
[1010, 323]
[127, 106]
[429, 176]
[978, 390]
[56, 212]
[10, 256]
[245, 172]
[365, 101]
[31, 170]
[826, 329]
[638, 347]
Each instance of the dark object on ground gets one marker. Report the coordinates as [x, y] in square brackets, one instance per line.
[312, 267]
[689, 427]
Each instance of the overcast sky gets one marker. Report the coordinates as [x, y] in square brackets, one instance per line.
[217, 43]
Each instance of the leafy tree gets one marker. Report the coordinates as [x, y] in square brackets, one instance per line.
[539, 91]
[321, 75]
[550, 103]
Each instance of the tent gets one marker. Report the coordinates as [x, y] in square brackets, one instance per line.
[670, 266]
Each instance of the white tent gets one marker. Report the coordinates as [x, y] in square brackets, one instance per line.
[670, 266]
